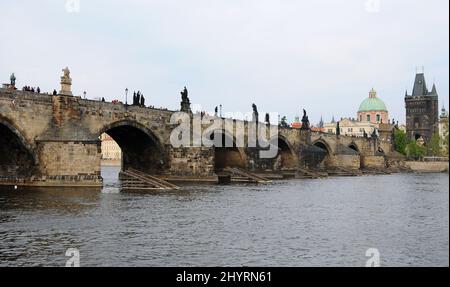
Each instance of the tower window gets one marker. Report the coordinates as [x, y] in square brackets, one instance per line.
[378, 118]
[368, 118]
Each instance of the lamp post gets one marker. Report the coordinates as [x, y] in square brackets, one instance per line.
[126, 97]
[220, 110]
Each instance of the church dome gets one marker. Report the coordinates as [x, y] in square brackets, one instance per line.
[372, 103]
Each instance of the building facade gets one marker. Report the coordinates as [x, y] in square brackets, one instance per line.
[373, 110]
[351, 127]
[110, 149]
[422, 110]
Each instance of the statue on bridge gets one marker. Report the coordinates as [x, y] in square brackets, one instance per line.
[255, 113]
[66, 83]
[184, 95]
[185, 102]
[338, 128]
[374, 134]
[13, 80]
[305, 122]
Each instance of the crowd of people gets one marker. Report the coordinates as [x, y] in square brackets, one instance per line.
[31, 89]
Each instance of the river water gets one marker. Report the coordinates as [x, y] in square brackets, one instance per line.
[325, 222]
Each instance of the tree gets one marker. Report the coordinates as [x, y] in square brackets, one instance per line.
[445, 140]
[284, 123]
[400, 141]
[435, 145]
[415, 151]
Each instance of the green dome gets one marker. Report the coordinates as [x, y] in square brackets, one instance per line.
[372, 104]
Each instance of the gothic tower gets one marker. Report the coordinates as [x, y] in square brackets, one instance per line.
[422, 110]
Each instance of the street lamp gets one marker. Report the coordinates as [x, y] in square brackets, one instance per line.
[220, 110]
[126, 96]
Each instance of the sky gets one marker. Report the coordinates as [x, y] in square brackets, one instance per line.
[287, 55]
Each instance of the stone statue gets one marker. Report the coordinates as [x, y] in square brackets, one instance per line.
[267, 118]
[185, 103]
[66, 83]
[66, 72]
[255, 113]
[13, 80]
[374, 134]
[364, 134]
[255, 109]
[305, 122]
[184, 95]
[338, 129]
[216, 111]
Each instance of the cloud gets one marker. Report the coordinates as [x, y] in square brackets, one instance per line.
[286, 55]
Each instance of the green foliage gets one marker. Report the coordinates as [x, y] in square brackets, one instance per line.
[415, 151]
[445, 140]
[435, 145]
[400, 141]
[284, 123]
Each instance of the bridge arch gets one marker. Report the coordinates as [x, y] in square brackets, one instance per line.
[17, 155]
[355, 147]
[141, 148]
[322, 158]
[320, 143]
[228, 156]
[286, 157]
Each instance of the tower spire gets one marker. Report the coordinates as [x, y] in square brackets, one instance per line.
[433, 90]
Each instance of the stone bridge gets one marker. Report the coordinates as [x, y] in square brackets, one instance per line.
[53, 140]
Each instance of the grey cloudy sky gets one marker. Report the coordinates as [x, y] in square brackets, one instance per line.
[322, 55]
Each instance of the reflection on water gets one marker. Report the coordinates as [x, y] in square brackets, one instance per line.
[325, 222]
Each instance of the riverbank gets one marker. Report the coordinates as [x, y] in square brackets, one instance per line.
[428, 167]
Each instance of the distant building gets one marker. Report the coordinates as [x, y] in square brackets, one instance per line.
[373, 110]
[372, 113]
[351, 127]
[422, 110]
[110, 149]
[298, 125]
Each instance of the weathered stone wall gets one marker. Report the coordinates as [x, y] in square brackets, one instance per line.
[343, 160]
[70, 158]
[195, 162]
[419, 166]
[372, 161]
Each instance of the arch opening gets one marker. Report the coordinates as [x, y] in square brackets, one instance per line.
[319, 156]
[354, 147]
[139, 148]
[286, 158]
[16, 159]
[227, 157]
